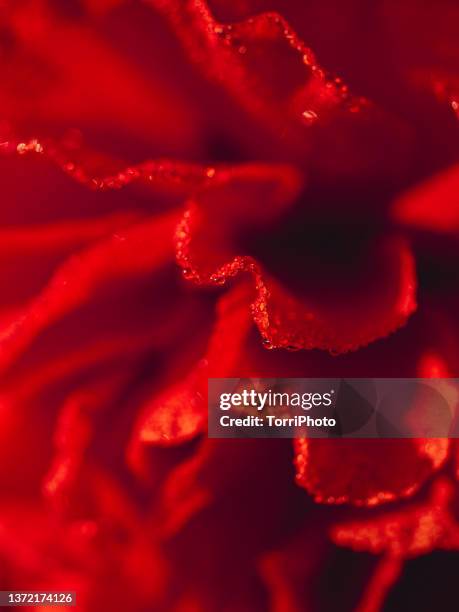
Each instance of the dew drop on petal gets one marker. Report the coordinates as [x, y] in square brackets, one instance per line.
[309, 117]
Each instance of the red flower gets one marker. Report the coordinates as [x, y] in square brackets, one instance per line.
[299, 161]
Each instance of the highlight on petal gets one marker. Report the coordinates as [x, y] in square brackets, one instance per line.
[179, 412]
[433, 205]
[374, 471]
[399, 536]
[366, 472]
[433, 365]
[84, 166]
[406, 533]
[50, 183]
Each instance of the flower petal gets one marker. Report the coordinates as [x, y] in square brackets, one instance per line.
[408, 532]
[433, 205]
[366, 472]
[126, 254]
[59, 71]
[275, 75]
[262, 61]
[205, 238]
[179, 412]
[74, 431]
[376, 471]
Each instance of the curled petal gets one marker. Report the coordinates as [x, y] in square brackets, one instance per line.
[375, 471]
[101, 172]
[366, 472]
[406, 533]
[270, 70]
[49, 184]
[239, 196]
[262, 61]
[205, 249]
[384, 305]
[86, 167]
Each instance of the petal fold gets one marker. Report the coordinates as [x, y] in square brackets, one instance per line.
[366, 472]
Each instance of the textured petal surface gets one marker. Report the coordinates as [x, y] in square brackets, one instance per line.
[294, 84]
[415, 531]
[205, 248]
[373, 471]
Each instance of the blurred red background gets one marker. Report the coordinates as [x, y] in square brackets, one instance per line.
[224, 188]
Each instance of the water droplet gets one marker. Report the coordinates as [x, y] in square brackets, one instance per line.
[309, 117]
